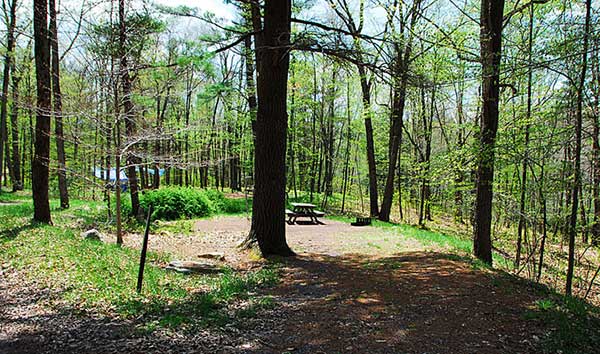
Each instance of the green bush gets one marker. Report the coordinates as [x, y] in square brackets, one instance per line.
[172, 203]
[236, 206]
[217, 198]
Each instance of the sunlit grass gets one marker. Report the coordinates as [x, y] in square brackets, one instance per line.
[99, 276]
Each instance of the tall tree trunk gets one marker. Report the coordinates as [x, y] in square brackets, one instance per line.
[329, 137]
[14, 123]
[596, 145]
[58, 120]
[128, 112]
[188, 109]
[459, 174]
[253, 20]
[268, 206]
[399, 99]
[8, 58]
[491, 51]
[366, 99]
[292, 136]
[577, 154]
[400, 67]
[348, 138]
[118, 178]
[544, 220]
[39, 166]
[314, 134]
[526, 147]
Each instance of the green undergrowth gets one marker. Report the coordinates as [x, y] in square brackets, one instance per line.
[13, 197]
[429, 238]
[574, 325]
[571, 325]
[174, 203]
[425, 237]
[91, 275]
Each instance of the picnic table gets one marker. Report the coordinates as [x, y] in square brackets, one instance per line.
[303, 210]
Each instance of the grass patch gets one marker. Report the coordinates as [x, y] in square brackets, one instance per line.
[13, 197]
[425, 237]
[102, 277]
[574, 324]
[429, 238]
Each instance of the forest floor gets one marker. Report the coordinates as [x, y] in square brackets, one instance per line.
[349, 290]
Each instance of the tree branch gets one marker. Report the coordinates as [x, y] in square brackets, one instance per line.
[519, 9]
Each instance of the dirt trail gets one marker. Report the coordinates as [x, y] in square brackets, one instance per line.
[411, 303]
[350, 290]
[224, 233]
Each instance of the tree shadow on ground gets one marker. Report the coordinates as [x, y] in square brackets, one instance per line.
[34, 320]
[410, 303]
[11, 233]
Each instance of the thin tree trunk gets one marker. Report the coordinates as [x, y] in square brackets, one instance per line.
[401, 75]
[526, 147]
[128, 112]
[314, 134]
[8, 57]
[348, 137]
[329, 137]
[577, 157]
[596, 146]
[118, 182]
[58, 119]
[291, 137]
[366, 92]
[14, 122]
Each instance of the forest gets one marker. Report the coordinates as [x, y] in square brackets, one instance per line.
[468, 127]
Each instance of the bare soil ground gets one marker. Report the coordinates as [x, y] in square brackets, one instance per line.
[224, 233]
[350, 290]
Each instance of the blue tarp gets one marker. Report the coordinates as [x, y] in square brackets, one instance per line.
[161, 171]
[101, 173]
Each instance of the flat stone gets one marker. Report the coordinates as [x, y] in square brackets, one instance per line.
[92, 234]
[193, 267]
[178, 270]
[213, 255]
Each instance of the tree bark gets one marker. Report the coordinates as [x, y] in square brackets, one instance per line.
[491, 51]
[348, 138]
[128, 112]
[526, 147]
[400, 85]
[14, 122]
[596, 145]
[58, 120]
[577, 154]
[398, 104]
[271, 129]
[8, 58]
[39, 165]
[366, 99]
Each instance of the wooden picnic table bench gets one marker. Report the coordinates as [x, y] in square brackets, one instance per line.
[303, 210]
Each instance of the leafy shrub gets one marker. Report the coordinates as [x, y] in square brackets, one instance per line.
[217, 198]
[236, 206]
[173, 203]
[126, 209]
